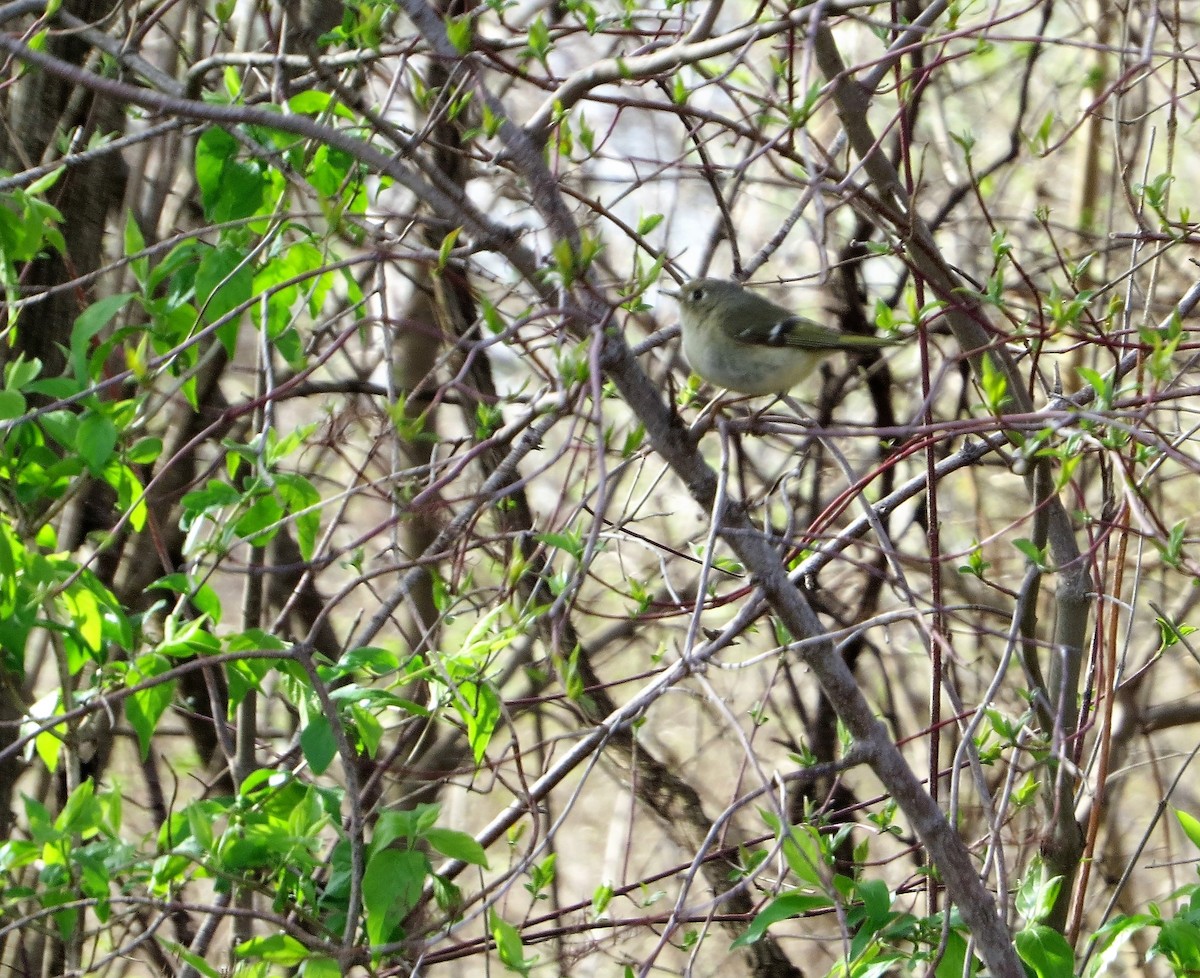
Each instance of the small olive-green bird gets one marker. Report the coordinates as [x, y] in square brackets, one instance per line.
[736, 339]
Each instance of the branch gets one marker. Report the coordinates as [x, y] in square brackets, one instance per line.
[965, 317]
[757, 552]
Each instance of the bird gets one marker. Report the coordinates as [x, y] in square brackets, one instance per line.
[736, 339]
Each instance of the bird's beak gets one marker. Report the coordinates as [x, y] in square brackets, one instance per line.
[671, 293]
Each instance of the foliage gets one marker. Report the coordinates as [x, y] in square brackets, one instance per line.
[379, 594]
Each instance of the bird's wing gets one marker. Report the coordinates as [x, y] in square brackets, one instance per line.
[796, 331]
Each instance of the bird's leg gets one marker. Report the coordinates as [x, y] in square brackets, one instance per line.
[755, 417]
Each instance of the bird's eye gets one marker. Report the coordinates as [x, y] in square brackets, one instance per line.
[697, 295]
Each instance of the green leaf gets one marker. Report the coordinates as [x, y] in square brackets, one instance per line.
[447, 247]
[783, 907]
[368, 728]
[66, 920]
[321, 968]
[199, 820]
[601, 898]
[391, 888]
[131, 496]
[1037, 892]
[1046, 951]
[281, 949]
[49, 744]
[93, 319]
[318, 743]
[994, 384]
[144, 709]
[206, 600]
[447, 895]
[195, 960]
[87, 616]
[188, 639]
[479, 706]
[224, 281]
[411, 824]
[804, 850]
[215, 495]
[1190, 825]
[457, 845]
[81, 813]
[1102, 384]
[571, 543]
[314, 101]
[44, 183]
[877, 900]
[375, 660]
[538, 39]
[1036, 555]
[301, 498]
[12, 404]
[18, 853]
[1111, 940]
[144, 451]
[1179, 942]
[459, 31]
[260, 522]
[41, 825]
[649, 223]
[508, 945]
[680, 90]
[953, 960]
[19, 373]
[27, 226]
[229, 189]
[95, 441]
